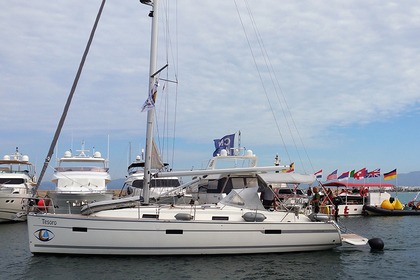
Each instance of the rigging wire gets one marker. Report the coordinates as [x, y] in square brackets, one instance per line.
[166, 105]
[276, 85]
[261, 79]
[288, 117]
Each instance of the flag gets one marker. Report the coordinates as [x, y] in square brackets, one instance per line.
[150, 102]
[390, 175]
[360, 174]
[345, 175]
[227, 143]
[318, 174]
[333, 175]
[374, 173]
[291, 168]
[351, 175]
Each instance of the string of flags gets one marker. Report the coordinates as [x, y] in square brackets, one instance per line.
[227, 143]
[358, 175]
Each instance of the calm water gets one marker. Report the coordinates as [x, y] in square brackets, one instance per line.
[398, 260]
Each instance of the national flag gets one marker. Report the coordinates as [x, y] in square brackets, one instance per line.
[291, 168]
[226, 142]
[351, 175]
[318, 174]
[390, 175]
[345, 175]
[151, 99]
[360, 174]
[333, 175]
[374, 173]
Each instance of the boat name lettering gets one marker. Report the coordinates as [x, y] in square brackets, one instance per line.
[49, 222]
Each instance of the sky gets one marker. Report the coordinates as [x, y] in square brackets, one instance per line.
[324, 84]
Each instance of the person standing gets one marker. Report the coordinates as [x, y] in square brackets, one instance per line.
[267, 197]
[315, 200]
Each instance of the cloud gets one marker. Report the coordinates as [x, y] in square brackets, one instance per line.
[331, 65]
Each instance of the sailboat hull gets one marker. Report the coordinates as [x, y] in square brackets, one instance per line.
[73, 234]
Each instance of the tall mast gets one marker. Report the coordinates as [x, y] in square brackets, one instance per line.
[150, 113]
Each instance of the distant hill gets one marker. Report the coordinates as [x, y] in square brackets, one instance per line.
[411, 179]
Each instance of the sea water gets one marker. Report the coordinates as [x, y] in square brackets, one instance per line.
[398, 260]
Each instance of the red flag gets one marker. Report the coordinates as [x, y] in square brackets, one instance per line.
[360, 174]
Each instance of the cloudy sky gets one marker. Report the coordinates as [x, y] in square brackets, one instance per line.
[325, 84]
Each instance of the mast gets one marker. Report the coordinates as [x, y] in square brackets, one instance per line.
[68, 102]
[150, 113]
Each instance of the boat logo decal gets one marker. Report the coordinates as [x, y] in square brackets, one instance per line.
[44, 235]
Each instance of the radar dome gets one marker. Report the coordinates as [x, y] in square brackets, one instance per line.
[223, 153]
[249, 153]
[67, 154]
[6, 157]
[97, 155]
[25, 158]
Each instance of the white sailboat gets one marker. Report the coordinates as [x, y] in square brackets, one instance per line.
[17, 180]
[237, 224]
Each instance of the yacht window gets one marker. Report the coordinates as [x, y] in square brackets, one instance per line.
[12, 181]
[251, 182]
[238, 183]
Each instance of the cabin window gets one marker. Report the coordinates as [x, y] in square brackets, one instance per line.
[11, 181]
[272, 231]
[150, 216]
[174, 231]
[220, 218]
[80, 229]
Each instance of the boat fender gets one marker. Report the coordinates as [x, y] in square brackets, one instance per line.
[386, 204]
[397, 205]
[41, 205]
[183, 216]
[364, 192]
[410, 204]
[253, 217]
[376, 244]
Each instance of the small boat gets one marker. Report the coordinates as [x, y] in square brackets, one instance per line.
[354, 196]
[17, 180]
[378, 211]
[80, 179]
[393, 207]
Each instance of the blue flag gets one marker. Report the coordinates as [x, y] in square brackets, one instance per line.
[227, 143]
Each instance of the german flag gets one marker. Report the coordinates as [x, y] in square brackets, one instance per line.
[390, 175]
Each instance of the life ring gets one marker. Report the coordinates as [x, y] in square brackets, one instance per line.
[364, 192]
